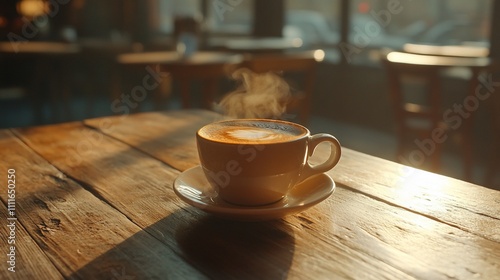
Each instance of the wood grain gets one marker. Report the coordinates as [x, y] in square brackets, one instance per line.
[125, 177]
[169, 137]
[410, 245]
[470, 207]
[467, 206]
[141, 188]
[364, 230]
[96, 201]
[30, 260]
[82, 235]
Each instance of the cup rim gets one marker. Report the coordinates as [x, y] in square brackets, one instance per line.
[300, 137]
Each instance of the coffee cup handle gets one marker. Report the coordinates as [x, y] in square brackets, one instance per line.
[332, 160]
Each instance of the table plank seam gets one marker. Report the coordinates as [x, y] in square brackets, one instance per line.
[130, 146]
[39, 232]
[24, 228]
[386, 201]
[378, 223]
[87, 187]
[341, 185]
[84, 185]
[147, 229]
[345, 247]
[381, 259]
[478, 213]
[59, 180]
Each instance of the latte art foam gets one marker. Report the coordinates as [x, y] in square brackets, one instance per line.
[251, 133]
[257, 134]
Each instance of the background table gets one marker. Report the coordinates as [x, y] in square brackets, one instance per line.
[255, 45]
[209, 67]
[94, 200]
[471, 51]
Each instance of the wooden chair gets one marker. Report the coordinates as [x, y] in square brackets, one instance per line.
[419, 116]
[51, 62]
[493, 167]
[303, 63]
[207, 67]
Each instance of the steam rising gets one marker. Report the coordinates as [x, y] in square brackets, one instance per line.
[258, 96]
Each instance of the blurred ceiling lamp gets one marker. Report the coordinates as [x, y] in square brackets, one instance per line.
[319, 55]
[3, 22]
[32, 8]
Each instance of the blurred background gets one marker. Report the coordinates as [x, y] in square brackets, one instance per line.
[81, 78]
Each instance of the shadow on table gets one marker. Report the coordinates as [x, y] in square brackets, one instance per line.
[238, 250]
[220, 249]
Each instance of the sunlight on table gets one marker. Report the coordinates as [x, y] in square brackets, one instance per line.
[422, 190]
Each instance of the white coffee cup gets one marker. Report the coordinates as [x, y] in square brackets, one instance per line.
[257, 161]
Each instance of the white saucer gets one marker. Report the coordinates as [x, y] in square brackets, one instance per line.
[193, 188]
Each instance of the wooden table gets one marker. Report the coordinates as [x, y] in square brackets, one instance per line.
[448, 50]
[256, 45]
[39, 48]
[427, 72]
[94, 200]
[209, 67]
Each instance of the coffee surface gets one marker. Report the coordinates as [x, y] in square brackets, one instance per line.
[251, 133]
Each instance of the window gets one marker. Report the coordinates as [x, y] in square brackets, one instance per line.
[230, 17]
[315, 22]
[374, 24]
[392, 23]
